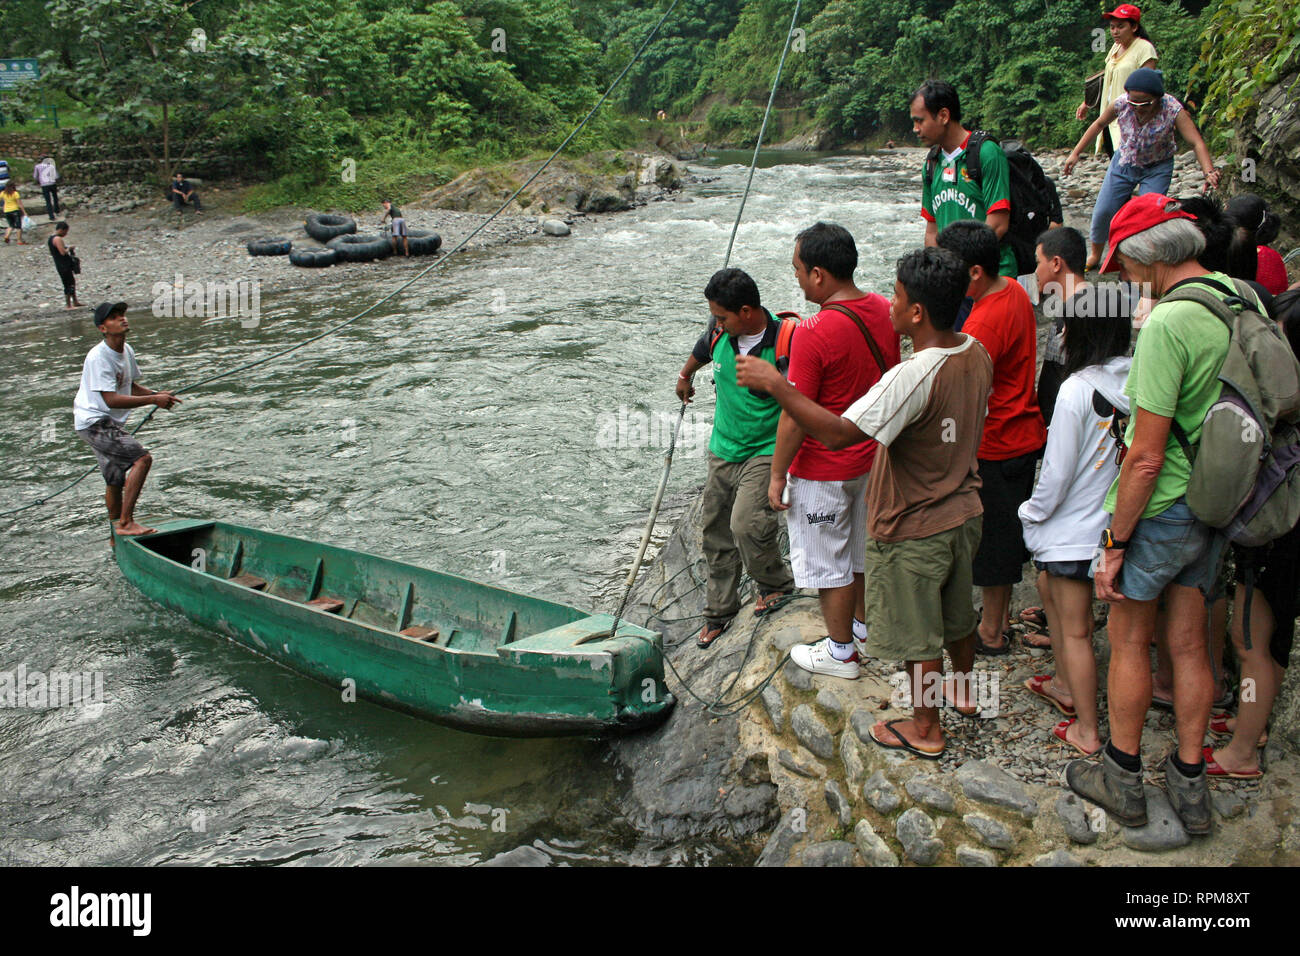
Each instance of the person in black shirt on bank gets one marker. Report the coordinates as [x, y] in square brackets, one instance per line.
[183, 192]
[399, 226]
[65, 263]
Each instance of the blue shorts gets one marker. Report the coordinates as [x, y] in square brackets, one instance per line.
[1172, 547]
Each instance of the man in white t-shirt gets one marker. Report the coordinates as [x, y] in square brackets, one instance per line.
[110, 388]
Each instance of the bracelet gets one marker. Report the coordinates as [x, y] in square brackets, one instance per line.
[682, 376]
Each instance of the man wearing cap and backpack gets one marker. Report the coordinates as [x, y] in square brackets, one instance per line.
[740, 528]
[110, 389]
[1204, 331]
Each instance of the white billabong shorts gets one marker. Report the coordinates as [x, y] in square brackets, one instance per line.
[827, 522]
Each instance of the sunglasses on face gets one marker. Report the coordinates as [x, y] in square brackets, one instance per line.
[1141, 104]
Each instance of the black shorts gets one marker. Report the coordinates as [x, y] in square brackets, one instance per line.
[1277, 577]
[15, 219]
[69, 279]
[1002, 553]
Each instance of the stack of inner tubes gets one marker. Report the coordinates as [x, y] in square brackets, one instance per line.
[313, 258]
[422, 242]
[351, 248]
[323, 228]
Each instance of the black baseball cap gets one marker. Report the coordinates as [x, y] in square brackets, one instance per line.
[106, 309]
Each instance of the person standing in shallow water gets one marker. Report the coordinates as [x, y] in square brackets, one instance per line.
[110, 389]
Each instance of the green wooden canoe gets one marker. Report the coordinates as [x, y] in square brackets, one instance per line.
[465, 654]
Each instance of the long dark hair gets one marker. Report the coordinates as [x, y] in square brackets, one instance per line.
[1217, 228]
[1092, 340]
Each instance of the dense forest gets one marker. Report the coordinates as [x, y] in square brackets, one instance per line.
[426, 87]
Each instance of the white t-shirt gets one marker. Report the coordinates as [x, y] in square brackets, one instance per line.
[747, 342]
[104, 371]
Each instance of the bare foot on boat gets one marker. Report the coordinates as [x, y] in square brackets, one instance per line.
[131, 529]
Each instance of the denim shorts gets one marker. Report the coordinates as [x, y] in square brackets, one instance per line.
[1171, 547]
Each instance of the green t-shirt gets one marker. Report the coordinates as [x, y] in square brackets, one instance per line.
[1175, 373]
[952, 195]
[744, 424]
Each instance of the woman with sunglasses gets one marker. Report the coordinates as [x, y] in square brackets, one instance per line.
[1148, 118]
[1132, 49]
[1065, 517]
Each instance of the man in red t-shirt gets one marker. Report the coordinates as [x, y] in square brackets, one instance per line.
[1002, 318]
[835, 357]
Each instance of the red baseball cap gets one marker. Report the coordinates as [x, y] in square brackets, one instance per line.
[1125, 11]
[1139, 215]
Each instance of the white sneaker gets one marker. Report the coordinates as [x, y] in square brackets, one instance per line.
[860, 645]
[819, 659]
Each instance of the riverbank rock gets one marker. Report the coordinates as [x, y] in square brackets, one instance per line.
[874, 850]
[556, 227]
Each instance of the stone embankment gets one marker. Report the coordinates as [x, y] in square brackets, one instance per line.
[793, 776]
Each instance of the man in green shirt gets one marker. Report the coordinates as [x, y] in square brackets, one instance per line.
[951, 194]
[1155, 545]
[740, 526]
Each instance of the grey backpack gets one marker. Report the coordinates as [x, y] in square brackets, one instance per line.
[1244, 477]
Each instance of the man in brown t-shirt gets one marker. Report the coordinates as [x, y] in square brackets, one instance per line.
[924, 512]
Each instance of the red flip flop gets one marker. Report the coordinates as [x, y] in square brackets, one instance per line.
[1059, 732]
[1035, 686]
[1212, 768]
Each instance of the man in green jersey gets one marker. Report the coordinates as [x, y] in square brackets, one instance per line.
[951, 194]
[740, 526]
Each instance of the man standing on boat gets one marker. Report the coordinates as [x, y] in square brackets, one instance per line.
[740, 527]
[110, 388]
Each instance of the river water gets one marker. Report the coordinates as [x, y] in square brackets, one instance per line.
[503, 420]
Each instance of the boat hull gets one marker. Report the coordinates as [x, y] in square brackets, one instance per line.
[563, 679]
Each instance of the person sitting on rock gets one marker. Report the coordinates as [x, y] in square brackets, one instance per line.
[740, 527]
[182, 193]
[923, 503]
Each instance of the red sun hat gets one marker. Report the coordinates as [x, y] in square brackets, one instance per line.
[1139, 215]
[1125, 11]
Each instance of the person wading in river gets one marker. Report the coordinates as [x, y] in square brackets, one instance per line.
[923, 502]
[739, 525]
[110, 388]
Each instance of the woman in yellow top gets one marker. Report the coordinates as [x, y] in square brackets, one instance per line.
[13, 210]
[1133, 49]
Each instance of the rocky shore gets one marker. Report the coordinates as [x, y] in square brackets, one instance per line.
[128, 239]
[791, 778]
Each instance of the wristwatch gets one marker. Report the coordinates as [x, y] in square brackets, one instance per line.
[1109, 543]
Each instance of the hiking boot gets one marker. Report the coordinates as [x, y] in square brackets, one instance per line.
[1111, 787]
[1190, 797]
[819, 659]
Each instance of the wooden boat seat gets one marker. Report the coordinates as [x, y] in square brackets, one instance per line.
[328, 604]
[429, 634]
[251, 581]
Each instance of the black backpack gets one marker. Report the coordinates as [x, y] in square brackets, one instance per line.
[1034, 202]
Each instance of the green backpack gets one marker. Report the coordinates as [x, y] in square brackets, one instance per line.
[1245, 472]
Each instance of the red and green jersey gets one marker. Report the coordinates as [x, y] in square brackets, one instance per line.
[952, 194]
